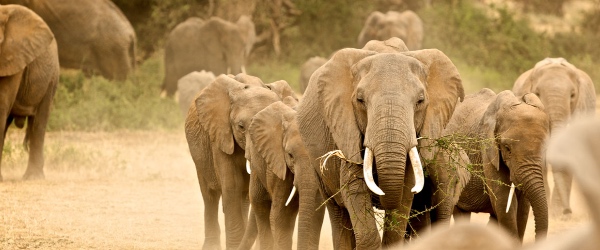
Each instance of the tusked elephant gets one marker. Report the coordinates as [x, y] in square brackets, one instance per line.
[363, 101]
[504, 137]
[190, 85]
[214, 45]
[29, 73]
[405, 25]
[566, 92]
[307, 69]
[215, 128]
[92, 35]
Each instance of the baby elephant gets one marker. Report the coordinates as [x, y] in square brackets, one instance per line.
[504, 136]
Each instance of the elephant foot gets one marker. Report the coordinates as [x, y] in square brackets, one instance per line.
[567, 211]
[33, 175]
[211, 245]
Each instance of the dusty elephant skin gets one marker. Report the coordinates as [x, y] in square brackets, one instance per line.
[504, 137]
[215, 129]
[405, 25]
[363, 100]
[29, 71]
[92, 35]
[214, 45]
[566, 92]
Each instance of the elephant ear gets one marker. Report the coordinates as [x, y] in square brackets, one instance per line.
[586, 103]
[488, 126]
[370, 27]
[24, 37]
[266, 134]
[282, 89]
[213, 106]
[444, 91]
[336, 84]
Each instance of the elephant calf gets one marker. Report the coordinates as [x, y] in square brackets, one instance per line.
[504, 136]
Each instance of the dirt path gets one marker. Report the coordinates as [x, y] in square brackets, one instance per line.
[122, 190]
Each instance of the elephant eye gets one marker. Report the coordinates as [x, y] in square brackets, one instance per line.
[572, 95]
[241, 126]
[290, 156]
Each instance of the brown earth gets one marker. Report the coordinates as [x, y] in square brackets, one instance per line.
[123, 190]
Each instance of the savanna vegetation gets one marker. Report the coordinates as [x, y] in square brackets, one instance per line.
[491, 45]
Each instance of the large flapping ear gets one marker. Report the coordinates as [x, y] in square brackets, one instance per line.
[392, 45]
[586, 103]
[490, 150]
[577, 149]
[336, 85]
[213, 106]
[444, 90]
[282, 89]
[24, 37]
[266, 133]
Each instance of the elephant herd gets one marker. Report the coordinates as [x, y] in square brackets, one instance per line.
[381, 127]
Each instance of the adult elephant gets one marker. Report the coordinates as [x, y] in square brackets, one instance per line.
[379, 103]
[214, 45]
[405, 25]
[215, 130]
[307, 69]
[565, 91]
[29, 71]
[92, 35]
[504, 137]
[190, 85]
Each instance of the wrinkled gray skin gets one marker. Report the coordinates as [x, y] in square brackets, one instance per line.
[216, 133]
[307, 69]
[566, 92]
[576, 150]
[277, 154]
[363, 98]
[504, 136]
[29, 71]
[190, 85]
[406, 26]
[92, 35]
[214, 45]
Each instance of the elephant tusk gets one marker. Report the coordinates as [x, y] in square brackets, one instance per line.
[415, 161]
[291, 196]
[368, 172]
[248, 167]
[510, 195]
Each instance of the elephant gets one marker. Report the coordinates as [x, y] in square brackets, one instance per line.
[93, 35]
[504, 137]
[29, 74]
[190, 85]
[213, 45]
[277, 155]
[379, 103]
[576, 150]
[307, 69]
[215, 130]
[405, 25]
[565, 91]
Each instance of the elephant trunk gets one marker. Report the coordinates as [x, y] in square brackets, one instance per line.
[559, 110]
[533, 188]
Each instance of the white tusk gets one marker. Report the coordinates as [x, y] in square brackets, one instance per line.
[291, 196]
[510, 195]
[415, 161]
[248, 167]
[368, 172]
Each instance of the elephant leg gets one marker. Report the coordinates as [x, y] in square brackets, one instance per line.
[561, 194]
[255, 191]
[36, 132]
[341, 225]
[234, 183]
[212, 230]
[283, 220]
[262, 212]
[357, 199]
[9, 87]
[523, 208]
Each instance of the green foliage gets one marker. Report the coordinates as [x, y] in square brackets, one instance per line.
[95, 103]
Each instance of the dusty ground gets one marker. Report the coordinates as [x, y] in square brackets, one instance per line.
[122, 190]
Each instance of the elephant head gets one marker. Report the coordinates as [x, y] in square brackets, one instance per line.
[406, 26]
[24, 37]
[226, 107]
[518, 127]
[381, 103]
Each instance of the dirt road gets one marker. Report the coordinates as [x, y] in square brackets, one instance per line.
[122, 190]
